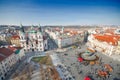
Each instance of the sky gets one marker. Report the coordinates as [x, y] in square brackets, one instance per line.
[60, 12]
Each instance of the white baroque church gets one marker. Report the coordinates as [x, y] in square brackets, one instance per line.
[33, 39]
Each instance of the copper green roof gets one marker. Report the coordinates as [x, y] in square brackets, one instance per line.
[17, 51]
[32, 31]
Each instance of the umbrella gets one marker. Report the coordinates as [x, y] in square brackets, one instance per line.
[80, 59]
[87, 78]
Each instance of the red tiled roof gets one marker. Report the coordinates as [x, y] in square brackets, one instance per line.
[11, 48]
[108, 38]
[18, 47]
[16, 37]
[5, 52]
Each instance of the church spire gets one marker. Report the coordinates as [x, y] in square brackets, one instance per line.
[21, 27]
[62, 29]
[32, 27]
[39, 27]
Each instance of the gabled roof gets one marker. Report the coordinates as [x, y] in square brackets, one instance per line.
[4, 53]
[15, 49]
[15, 37]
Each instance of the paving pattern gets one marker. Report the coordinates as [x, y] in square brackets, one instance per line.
[79, 71]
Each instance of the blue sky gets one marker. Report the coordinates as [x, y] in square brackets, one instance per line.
[59, 12]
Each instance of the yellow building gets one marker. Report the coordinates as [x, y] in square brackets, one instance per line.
[15, 40]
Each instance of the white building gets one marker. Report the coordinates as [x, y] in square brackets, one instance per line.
[108, 44]
[19, 51]
[99, 46]
[33, 40]
[64, 39]
[2, 37]
[69, 40]
[8, 58]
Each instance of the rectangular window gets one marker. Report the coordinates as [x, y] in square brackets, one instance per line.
[36, 42]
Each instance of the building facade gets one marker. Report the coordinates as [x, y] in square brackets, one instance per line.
[15, 40]
[9, 56]
[65, 38]
[107, 43]
[33, 39]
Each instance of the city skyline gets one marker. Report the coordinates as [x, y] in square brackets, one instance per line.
[60, 12]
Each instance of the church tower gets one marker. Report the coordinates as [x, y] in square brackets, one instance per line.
[62, 30]
[21, 32]
[22, 36]
[40, 28]
[21, 28]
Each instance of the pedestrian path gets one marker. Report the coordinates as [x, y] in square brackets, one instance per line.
[62, 70]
